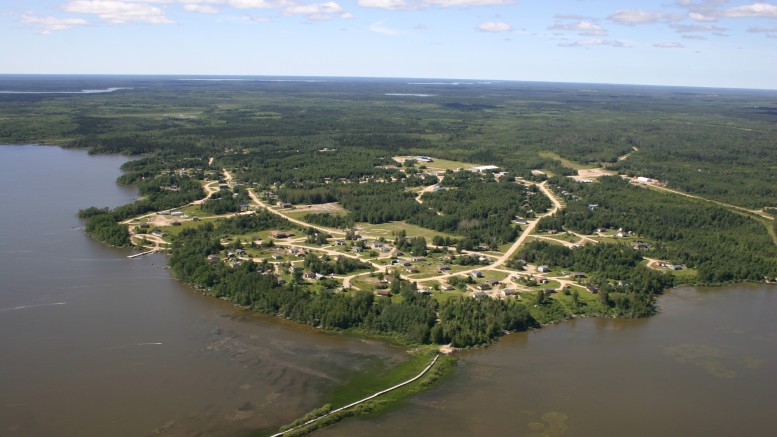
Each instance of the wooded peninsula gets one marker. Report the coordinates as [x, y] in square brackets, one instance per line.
[440, 214]
[430, 213]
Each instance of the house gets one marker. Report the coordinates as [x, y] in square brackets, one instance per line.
[384, 293]
[493, 282]
[412, 270]
[640, 245]
[479, 295]
[543, 281]
[339, 243]
[476, 274]
[223, 186]
[510, 291]
[543, 269]
[483, 287]
[357, 249]
[144, 226]
[309, 275]
[281, 234]
[240, 252]
[444, 267]
[176, 223]
[676, 267]
[213, 259]
[196, 219]
[284, 204]
[447, 287]
[578, 275]
[176, 213]
[277, 257]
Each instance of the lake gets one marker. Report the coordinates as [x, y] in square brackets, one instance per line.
[704, 366]
[96, 344]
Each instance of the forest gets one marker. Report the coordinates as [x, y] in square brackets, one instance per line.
[334, 141]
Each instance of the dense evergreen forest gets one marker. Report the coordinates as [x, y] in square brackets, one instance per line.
[717, 144]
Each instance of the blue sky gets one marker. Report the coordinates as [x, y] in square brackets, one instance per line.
[717, 43]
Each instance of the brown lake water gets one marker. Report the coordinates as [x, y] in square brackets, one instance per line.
[94, 344]
[704, 366]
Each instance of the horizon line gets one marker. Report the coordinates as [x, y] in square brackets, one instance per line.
[447, 79]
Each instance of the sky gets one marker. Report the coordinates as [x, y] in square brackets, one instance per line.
[706, 43]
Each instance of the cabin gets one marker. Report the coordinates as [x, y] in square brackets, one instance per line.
[281, 234]
[543, 269]
[476, 274]
[578, 275]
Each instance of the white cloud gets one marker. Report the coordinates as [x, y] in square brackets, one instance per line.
[464, 3]
[201, 8]
[317, 11]
[380, 28]
[597, 42]
[698, 16]
[754, 10]
[495, 26]
[668, 45]
[383, 4]
[46, 25]
[586, 28]
[695, 28]
[118, 12]
[253, 4]
[758, 29]
[636, 16]
[422, 4]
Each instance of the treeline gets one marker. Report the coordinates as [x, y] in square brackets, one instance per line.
[327, 265]
[330, 220]
[722, 245]
[226, 201]
[466, 321]
[105, 228]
